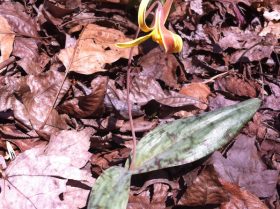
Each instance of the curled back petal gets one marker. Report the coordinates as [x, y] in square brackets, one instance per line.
[134, 42]
[172, 43]
[166, 9]
[142, 15]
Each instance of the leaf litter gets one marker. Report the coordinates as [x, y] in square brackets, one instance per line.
[230, 53]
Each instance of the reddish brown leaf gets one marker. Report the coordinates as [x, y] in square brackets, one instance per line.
[237, 86]
[95, 48]
[206, 189]
[89, 105]
[37, 177]
[145, 89]
[6, 39]
[240, 198]
[197, 90]
[140, 125]
[20, 22]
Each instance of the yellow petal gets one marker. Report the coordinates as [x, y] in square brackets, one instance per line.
[134, 42]
[142, 16]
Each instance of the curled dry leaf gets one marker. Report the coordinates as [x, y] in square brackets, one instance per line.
[208, 188]
[273, 28]
[115, 100]
[62, 8]
[145, 89]
[197, 90]
[273, 101]
[140, 125]
[37, 177]
[240, 198]
[89, 105]
[95, 48]
[237, 86]
[7, 37]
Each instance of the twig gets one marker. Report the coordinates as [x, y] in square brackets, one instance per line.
[64, 79]
[215, 77]
[261, 74]
[148, 183]
[278, 62]
[6, 62]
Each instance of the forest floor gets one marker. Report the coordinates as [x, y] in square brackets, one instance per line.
[63, 101]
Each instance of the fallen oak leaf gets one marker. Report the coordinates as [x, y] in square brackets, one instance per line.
[197, 90]
[94, 48]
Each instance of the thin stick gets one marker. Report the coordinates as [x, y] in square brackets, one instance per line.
[215, 77]
[6, 62]
[261, 74]
[64, 79]
[128, 79]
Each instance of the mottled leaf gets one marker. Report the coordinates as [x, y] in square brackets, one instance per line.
[186, 140]
[111, 189]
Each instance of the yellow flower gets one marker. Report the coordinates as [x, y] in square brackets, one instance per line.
[171, 42]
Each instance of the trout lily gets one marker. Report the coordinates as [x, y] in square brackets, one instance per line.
[171, 42]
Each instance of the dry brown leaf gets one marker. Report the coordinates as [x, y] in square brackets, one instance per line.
[244, 167]
[208, 188]
[21, 23]
[237, 86]
[197, 90]
[272, 27]
[35, 98]
[140, 125]
[89, 105]
[27, 50]
[240, 198]
[37, 177]
[95, 48]
[159, 65]
[7, 37]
